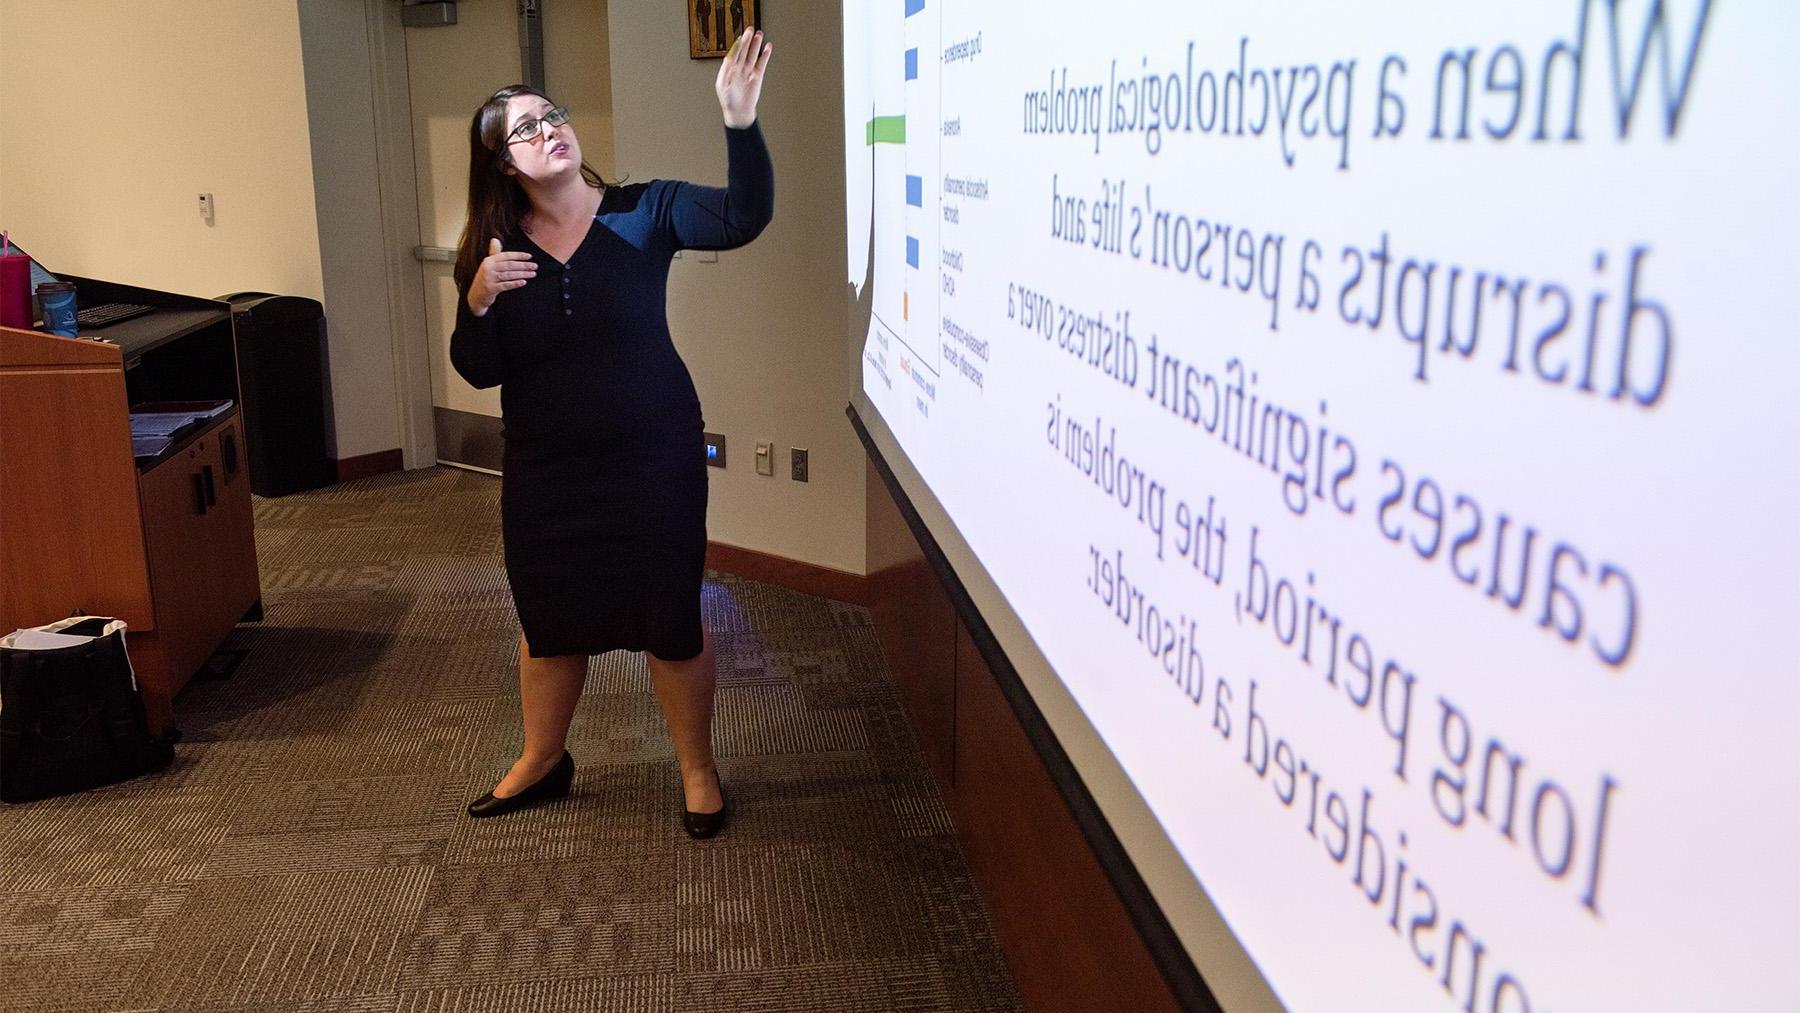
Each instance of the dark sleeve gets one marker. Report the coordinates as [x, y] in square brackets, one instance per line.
[710, 218]
[475, 347]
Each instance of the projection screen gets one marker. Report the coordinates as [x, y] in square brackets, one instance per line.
[1362, 428]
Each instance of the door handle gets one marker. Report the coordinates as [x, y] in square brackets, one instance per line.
[207, 480]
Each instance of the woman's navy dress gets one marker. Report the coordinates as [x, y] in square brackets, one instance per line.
[603, 494]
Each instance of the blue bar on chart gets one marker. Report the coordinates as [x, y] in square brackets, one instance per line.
[914, 7]
[915, 191]
[912, 252]
[912, 65]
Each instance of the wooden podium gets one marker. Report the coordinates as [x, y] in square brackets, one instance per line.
[166, 543]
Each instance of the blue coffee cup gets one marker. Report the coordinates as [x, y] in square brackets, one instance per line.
[58, 301]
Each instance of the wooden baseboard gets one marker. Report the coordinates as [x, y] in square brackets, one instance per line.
[379, 463]
[807, 578]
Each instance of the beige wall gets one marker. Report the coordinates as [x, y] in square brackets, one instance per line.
[762, 330]
[117, 115]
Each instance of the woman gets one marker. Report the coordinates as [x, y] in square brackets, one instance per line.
[603, 500]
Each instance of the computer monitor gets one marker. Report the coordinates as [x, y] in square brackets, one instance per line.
[39, 274]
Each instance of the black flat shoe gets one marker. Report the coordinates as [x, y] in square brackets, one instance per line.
[553, 785]
[700, 826]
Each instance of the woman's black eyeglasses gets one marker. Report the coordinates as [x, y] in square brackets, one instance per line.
[530, 129]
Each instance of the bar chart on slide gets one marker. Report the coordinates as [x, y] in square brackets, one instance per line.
[895, 177]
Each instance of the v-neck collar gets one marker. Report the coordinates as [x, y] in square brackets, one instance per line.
[578, 246]
[585, 236]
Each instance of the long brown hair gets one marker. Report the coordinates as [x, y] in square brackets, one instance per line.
[497, 202]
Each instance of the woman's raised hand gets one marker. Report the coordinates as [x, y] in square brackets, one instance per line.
[741, 77]
[498, 272]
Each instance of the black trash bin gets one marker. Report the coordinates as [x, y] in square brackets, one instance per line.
[281, 370]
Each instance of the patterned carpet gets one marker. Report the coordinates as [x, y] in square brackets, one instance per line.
[308, 849]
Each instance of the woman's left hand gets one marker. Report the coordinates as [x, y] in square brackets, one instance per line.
[741, 77]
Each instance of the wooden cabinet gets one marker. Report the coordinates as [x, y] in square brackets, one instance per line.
[166, 544]
[201, 553]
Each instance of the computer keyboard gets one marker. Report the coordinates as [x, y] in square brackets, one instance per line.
[109, 313]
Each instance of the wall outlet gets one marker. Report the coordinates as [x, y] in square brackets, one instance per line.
[206, 207]
[798, 463]
[715, 449]
[765, 459]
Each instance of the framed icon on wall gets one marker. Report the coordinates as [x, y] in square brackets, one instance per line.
[713, 25]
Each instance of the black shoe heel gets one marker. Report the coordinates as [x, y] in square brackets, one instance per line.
[700, 826]
[553, 785]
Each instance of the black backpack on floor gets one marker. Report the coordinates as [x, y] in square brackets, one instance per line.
[70, 714]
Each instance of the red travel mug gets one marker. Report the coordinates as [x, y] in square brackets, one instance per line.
[15, 290]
